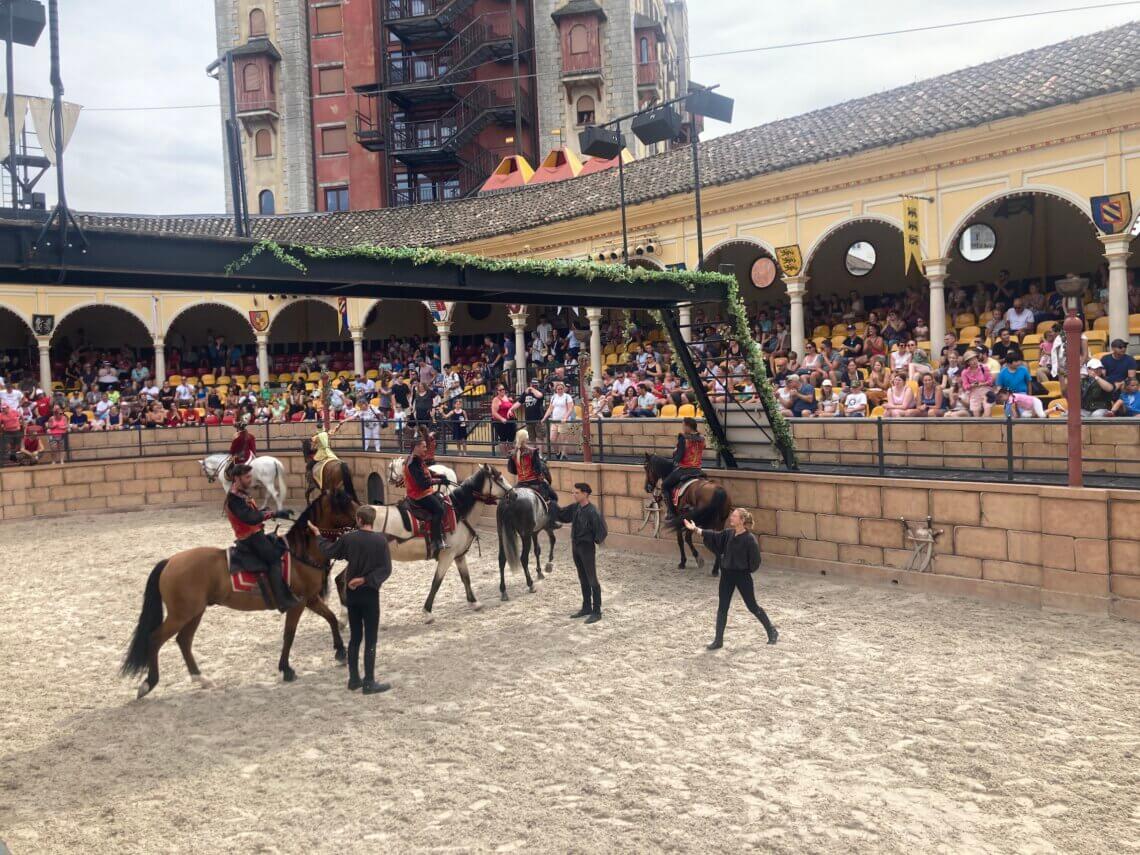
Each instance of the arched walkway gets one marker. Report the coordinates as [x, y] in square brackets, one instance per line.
[196, 326]
[306, 324]
[753, 263]
[18, 352]
[103, 329]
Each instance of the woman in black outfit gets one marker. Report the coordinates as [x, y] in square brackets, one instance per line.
[739, 552]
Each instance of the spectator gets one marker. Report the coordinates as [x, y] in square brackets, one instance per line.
[1019, 405]
[1019, 318]
[901, 358]
[950, 344]
[977, 382]
[1096, 392]
[874, 345]
[878, 381]
[57, 426]
[79, 421]
[797, 399]
[829, 401]
[559, 412]
[853, 347]
[11, 429]
[503, 411]
[31, 448]
[995, 324]
[1118, 365]
[855, 401]
[1128, 404]
[900, 400]
[1014, 376]
[1003, 345]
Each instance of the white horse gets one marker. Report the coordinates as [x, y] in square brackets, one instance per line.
[485, 486]
[396, 474]
[268, 473]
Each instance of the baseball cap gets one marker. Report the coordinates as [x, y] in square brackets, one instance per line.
[826, 383]
[1095, 363]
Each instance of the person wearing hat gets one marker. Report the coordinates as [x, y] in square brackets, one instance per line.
[243, 447]
[1118, 365]
[855, 401]
[853, 347]
[829, 400]
[1096, 392]
[977, 382]
[248, 523]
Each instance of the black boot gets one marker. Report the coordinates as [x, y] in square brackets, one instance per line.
[353, 678]
[371, 687]
[584, 611]
[718, 642]
[281, 593]
[772, 632]
[596, 612]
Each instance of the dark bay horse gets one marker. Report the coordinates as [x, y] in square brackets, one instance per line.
[334, 476]
[190, 581]
[706, 503]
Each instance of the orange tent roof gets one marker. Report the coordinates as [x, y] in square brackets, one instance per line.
[559, 165]
[513, 171]
[595, 164]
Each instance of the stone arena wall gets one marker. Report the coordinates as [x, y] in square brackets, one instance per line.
[1056, 547]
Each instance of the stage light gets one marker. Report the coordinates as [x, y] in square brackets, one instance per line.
[28, 21]
[711, 105]
[650, 248]
[657, 125]
[600, 142]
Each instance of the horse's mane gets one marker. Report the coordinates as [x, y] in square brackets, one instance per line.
[298, 535]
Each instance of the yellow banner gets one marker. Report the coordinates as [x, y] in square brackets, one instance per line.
[912, 236]
[791, 261]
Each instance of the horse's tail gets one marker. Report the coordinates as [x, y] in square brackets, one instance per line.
[714, 513]
[138, 654]
[509, 536]
[346, 481]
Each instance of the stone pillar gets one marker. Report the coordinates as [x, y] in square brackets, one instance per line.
[1116, 250]
[796, 291]
[518, 321]
[444, 330]
[159, 360]
[263, 358]
[594, 316]
[685, 317]
[357, 350]
[45, 362]
[936, 269]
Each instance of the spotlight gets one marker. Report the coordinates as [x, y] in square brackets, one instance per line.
[613, 255]
[599, 142]
[639, 251]
[659, 125]
[601, 256]
[650, 248]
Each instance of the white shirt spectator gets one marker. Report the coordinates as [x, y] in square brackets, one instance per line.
[544, 331]
[184, 392]
[151, 392]
[647, 400]
[1019, 320]
[561, 407]
[855, 402]
[12, 397]
[101, 409]
[454, 386]
[621, 384]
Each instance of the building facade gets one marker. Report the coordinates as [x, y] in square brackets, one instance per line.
[358, 106]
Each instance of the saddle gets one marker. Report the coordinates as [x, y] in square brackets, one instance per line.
[317, 471]
[682, 488]
[418, 521]
[247, 571]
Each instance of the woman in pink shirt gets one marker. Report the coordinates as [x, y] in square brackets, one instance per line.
[900, 400]
[976, 383]
[57, 434]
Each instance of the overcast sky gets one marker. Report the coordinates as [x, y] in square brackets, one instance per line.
[123, 53]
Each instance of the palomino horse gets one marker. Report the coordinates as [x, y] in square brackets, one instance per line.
[335, 475]
[519, 518]
[706, 503]
[189, 581]
[396, 474]
[268, 473]
[485, 486]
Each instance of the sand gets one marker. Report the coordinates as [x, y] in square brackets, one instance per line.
[884, 721]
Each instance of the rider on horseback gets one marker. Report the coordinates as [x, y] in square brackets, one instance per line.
[243, 448]
[248, 523]
[420, 483]
[687, 457]
[320, 449]
[526, 463]
[429, 438]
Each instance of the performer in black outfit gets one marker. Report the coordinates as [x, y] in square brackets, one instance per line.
[420, 483]
[586, 533]
[369, 565]
[739, 558]
[248, 522]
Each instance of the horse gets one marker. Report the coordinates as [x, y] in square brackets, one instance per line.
[706, 503]
[486, 485]
[396, 474]
[188, 582]
[335, 475]
[268, 473]
[519, 518]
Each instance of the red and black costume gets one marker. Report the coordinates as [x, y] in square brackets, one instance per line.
[420, 483]
[687, 458]
[248, 522]
[527, 465]
[243, 448]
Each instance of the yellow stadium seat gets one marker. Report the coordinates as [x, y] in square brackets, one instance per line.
[618, 411]
[372, 374]
[284, 377]
[1101, 323]
[837, 340]
[669, 411]
[611, 359]
[877, 412]
[309, 387]
[238, 378]
[206, 380]
[1044, 327]
[1097, 337]
[1032, 338]
[860, 327]
[1031, 354]
[819, 341]
[55, 384]
[608, 349]
[687, 411]
[174, 379]
[913, 386]
[1134, 324]
[1052, 388]
[346, 375]
[822, 331]
[924, 345]
[997, 411]
[314, 376]
[839, 329]
[578, 411]
[965, 319]
[700, 413]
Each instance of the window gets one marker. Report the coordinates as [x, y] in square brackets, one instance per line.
[257, 23]
[643, 51]
[265, 203]
[263, 143]
[336, 198]
[334, 140]
[328, 20]
[251, 77]
[585, 110]
[579, 41]
[330, 80]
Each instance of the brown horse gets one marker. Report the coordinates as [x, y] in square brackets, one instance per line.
[189, 581]
[706, 503]
[335, 476]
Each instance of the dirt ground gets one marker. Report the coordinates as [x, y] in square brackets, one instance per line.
[883, 721]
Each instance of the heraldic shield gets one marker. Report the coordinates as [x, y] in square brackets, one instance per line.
[1112, 214]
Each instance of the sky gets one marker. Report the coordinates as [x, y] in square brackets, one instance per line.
[127, 54]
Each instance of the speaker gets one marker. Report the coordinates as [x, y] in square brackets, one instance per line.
[28, 21]
[711, 105]
[600, 142]
[659, 125]
[39, 202]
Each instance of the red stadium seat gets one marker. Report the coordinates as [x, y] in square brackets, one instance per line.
[298, 416]
[211, 419]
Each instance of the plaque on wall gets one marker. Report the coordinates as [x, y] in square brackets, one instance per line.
[763, 272]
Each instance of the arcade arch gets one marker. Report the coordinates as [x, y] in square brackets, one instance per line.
[306, 323]
[17, 346]
[753, 263]
[104, 327]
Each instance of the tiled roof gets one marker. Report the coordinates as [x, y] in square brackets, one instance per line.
[1075, 70]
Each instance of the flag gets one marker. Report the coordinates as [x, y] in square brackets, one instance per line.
[342, 310]
[912, 236]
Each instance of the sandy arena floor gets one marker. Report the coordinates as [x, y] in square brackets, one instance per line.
[883, 721]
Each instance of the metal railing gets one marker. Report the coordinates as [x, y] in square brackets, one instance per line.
[456, 56]
[461, 122]
[475, 166]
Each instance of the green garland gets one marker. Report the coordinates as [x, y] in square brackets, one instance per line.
[419, 256]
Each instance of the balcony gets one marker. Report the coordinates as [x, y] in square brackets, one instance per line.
[649, 74]
[488, 36]
[469, 174]
[414, 21]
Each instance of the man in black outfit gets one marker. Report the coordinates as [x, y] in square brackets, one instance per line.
[739, 552]
[586, 533]
[420, 483]
[248, 522]
[369, 565]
